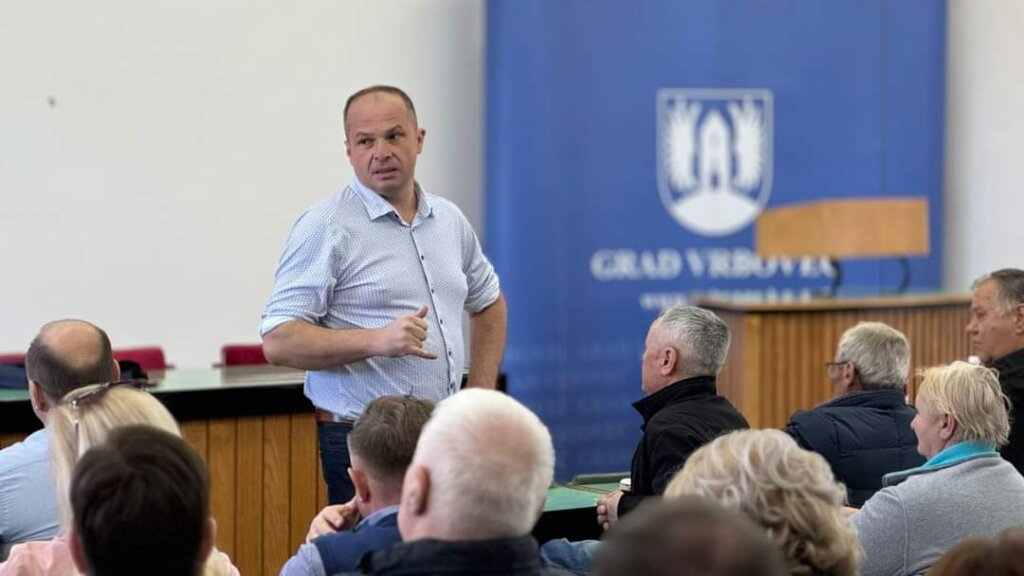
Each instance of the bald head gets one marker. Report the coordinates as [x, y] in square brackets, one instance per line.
[68, 354]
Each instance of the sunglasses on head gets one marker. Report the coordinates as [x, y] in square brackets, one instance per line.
[91, 396]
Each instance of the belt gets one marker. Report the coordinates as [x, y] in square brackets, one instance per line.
[328, 416]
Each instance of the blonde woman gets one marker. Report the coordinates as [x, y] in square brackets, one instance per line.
[964, 489]
[786, 490]
[83, 419]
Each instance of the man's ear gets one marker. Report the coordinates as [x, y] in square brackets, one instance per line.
[209, 540]
[668, 359]
[416, 490]
[39, 402]
[116, 371]
[77, 550]
[1018, 319]
[362, 485]
[850, 378]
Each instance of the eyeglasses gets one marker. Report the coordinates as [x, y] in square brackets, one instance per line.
[830, 365]
[78, 401]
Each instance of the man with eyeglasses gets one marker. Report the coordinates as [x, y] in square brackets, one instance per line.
[65, 355]
[996, 330]
[864, 430]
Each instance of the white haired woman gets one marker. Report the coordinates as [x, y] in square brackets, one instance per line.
[83, 419]
[788, 491]
[964, 489]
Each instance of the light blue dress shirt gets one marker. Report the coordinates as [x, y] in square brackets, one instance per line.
[28, 499]
[351, 262]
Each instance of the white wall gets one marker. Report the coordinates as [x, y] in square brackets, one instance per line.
[984, 139]
[152, 157]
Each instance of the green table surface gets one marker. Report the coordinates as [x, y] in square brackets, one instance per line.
[575, 497]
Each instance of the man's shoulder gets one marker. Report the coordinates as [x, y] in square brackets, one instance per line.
[342, 550]
[33, 451]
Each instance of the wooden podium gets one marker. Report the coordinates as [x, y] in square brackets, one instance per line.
[856, 228]
[776, 362]
[842, 229]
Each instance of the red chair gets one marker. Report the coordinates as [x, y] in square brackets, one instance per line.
[147, 357]
[13, 358]
[242, 355]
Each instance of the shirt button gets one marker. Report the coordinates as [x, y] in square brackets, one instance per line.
[441, 320]
[422, 257]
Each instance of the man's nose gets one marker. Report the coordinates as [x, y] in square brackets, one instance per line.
[382, 151]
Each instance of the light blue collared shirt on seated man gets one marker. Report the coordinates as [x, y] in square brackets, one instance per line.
[350, 262]
[28, 499]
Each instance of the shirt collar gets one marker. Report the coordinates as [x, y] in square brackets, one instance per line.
[377, 206]
[960, 451]
[379, 515]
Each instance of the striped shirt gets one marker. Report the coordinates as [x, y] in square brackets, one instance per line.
[350, 262]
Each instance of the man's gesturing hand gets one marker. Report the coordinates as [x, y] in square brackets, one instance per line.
[405, 336]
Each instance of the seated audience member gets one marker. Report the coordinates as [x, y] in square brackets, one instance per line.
[83, 419]
[1001, 555]
[687, 537]
[474, 491]
[684, 352]
[996, 330]
[381, 446]
[788, 491]
[141, 505]
[965, 488]
[65, 355]
[864, 431]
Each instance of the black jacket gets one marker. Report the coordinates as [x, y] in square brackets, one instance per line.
[1011, 376]
[863, 435]
[678, 419]
[508, 556]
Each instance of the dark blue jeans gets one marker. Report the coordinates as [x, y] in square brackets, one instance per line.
[332, 438]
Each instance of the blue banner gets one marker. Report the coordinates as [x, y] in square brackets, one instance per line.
[630, 145]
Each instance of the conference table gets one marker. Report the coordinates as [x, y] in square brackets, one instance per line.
[255, 429]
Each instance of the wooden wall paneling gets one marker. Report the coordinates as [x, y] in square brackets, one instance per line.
[196, 433]
[752, 370]
[12, 438]
[276, 492]
[222, 443]
[249, 496]
[304, 478]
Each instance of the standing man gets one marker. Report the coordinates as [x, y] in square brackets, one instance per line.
[370, 291]
[997, 338]
[65, 355]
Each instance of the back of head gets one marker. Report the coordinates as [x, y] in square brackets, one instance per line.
[787, 490]
[141, 504]
[700, 336]
[879, 353]
[67, 354]
[687, 537]
[1010, 287]
[490, 462]
[85, 419]
[385, 435]
[1002, 555]
[973, 395]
